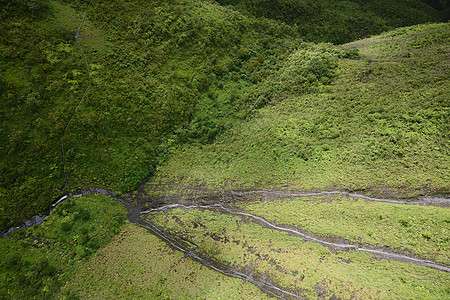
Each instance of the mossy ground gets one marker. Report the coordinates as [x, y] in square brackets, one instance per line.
[138, 265]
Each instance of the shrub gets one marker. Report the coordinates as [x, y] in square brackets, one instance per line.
[350, 53]
[12, 260]
[17, 139]
[80, 251]
[92, 244]
[81, 214]
[318, 67]
[65, 225]
[33, 101]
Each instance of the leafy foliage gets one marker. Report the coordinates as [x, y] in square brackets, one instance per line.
[164, 74]
[36, 262]
[155, 77]
[374, 124]
[340, 21]
[194, 92]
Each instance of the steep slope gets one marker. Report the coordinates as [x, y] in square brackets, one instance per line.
[381, 125]
[342, 21]
[154, 68]
[162, 75]
[207, 98]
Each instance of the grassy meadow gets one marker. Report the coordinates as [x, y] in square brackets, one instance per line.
[72, 256]
[138, 265]
[421, 230]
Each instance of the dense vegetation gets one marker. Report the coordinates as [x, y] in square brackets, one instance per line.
[152, 74]
[163, 74]
[213, 95]
[36, 262]
[341, 21]
[374, 122]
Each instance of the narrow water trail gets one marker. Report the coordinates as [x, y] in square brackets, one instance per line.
[442, 200]
[378, 253]
[265, 285]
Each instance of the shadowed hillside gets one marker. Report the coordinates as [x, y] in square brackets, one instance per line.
[343, 21]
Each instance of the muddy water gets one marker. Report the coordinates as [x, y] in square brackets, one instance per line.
[346, 245]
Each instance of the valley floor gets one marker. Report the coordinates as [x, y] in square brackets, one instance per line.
[290, 246]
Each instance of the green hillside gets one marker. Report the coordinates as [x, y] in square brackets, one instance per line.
[341, 21]
[247, 105]
[167, 74]
[153, 67]
[369, 116]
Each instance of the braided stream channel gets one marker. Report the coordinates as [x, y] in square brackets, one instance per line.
[345, 245]
[222, 203]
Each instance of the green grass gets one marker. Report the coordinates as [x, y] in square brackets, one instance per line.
[138, 265]
[422, 230]
[310, 269]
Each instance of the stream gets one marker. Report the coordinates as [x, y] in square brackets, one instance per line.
[265, 284]
[378, 253]
[439, 200]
